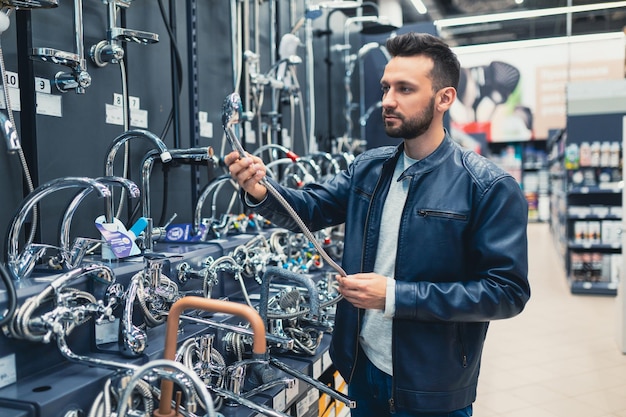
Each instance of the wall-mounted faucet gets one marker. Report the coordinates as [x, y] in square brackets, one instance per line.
[110, 50]
[79, 79]
[21, 265]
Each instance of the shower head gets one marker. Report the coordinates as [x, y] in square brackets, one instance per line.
[231, 110]
[29, 4]
[10, 134]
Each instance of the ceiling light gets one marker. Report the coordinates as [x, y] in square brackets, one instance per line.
[419, 6]
[525, 14]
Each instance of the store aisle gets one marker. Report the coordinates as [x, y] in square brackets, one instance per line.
[559, 358]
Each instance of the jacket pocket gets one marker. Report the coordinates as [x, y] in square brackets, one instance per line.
[441, 214]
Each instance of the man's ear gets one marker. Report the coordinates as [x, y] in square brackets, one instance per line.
[446, 97]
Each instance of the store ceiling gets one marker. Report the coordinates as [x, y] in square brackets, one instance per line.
[597, 21]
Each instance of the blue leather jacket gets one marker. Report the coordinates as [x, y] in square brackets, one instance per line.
[461, 262]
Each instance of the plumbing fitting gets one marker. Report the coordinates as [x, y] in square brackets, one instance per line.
[79, 79]
[213, 189]
[170, 371]
[21, 265]
[154, 293]
[111, 50]
[231, 115]
[64, 239]
[248, 313]
[193, 155]
[71, 307]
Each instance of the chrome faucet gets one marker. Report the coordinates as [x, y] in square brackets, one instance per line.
[192, 154]
[212, 189]
[164, 153]
[124, 137]
[79, 79]
[21, 265]
[110, 50]
[66, 222]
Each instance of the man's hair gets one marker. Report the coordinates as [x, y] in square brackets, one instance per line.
[446, 69]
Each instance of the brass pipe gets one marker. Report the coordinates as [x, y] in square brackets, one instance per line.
[171, 336]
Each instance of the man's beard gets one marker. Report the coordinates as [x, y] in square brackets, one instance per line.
[413, 127]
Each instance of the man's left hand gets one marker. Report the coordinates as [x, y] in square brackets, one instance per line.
[365, 290]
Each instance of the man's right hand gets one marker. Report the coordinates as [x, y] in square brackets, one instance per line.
[248, 172]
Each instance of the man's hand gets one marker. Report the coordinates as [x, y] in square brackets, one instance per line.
[364, 290]
[247, 172]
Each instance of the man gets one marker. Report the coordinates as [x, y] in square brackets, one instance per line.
[435, 245]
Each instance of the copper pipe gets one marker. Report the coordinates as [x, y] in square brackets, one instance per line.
[171, 336]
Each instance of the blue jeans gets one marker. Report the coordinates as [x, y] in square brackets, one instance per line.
[371, 389]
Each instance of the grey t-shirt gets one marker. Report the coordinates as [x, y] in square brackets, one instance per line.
[376, 332]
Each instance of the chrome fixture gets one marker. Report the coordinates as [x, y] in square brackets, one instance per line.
[154, 293]
[164, 153]
[110, 50]
[29, 4]
[79, 79]
[192, 154]
[216, 225]
[137, 133]
[71, 307]
[66, 222]
[21, 265]
[231, 115]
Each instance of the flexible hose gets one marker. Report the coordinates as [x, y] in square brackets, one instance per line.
[274, 192]
[20, 152]
[7, 316]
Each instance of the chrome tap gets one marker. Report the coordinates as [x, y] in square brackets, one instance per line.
[67, 313]
[110, 50]
[212, 189]
[137, 133]
[155, 294]
[79, 79]
[66, 222]
[191, 154]
[164, 153]
[21, 265]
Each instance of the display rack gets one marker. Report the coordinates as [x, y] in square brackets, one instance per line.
[526, 161]
[585, 165]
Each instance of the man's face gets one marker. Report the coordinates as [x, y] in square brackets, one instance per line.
[408, 100]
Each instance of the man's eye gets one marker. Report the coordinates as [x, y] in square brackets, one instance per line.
[384, 89]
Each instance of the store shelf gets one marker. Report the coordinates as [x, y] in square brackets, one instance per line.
[586, 201]
[593, 288]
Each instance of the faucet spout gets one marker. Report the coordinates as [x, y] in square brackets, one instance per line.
[66, 222]
[137, 133]
[12, 256]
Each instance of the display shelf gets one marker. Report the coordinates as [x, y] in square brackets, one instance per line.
[593, 288]
[585, 165]
[526, 161]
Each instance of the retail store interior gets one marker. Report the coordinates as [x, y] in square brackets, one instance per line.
[131, 269]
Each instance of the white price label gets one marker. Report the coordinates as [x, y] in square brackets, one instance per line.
[49, 105]
[8, 370]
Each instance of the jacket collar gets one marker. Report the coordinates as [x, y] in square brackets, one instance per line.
[429, 163]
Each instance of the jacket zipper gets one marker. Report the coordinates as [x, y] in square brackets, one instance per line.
[462, 344]
[446, 214]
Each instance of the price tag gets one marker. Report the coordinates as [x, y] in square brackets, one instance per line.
[49, 105]
[8, 371]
